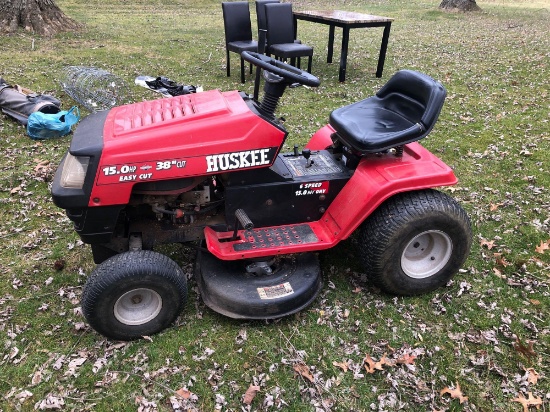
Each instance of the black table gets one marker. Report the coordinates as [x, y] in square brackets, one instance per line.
[347, 20]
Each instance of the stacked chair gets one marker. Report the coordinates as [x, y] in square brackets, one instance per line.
[275, 19]
[260, 13]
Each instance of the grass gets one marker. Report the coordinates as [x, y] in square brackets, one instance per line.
[487, 331]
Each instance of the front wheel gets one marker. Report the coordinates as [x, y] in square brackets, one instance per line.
[134, 294]
[415, 242]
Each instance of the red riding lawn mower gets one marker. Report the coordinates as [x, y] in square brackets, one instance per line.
[207, 170]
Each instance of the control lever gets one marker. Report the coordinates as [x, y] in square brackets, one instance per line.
[307, 155]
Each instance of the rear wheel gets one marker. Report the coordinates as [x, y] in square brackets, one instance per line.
[415, 242]
[134, 294]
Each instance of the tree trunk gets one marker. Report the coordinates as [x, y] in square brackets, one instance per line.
[36, 16]
[462, 5]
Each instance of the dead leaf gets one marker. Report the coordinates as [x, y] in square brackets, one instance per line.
[21, 396]
[41, 165]
[145, 405]
[488, 243]
[36, 378]
[371, 366]
[530, 401]
[341, 365]
[532, 376]
[498, 273]
[543, 246]
[406, 359]
[525, 350]
[501, 260]
[13, 352]
[250, 394]
[455, 393]
[539, 263]
[184, 393]
[303, 370]
[74, 364]
[50, 402]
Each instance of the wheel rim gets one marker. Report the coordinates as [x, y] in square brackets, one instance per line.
[426, 254]
[138, 306]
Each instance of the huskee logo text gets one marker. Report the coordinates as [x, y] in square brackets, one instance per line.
[237, 160]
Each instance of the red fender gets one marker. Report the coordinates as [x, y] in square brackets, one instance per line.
[321, 139]
[379, 177]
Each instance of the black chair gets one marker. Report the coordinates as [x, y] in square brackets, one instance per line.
[280, 35]
[260, 15]
[238, 32]
[404, 110]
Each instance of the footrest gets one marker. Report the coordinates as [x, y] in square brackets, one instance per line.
[268, 241]
[276, 237]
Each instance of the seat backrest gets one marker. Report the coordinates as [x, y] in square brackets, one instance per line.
[279, 23]
[419, 97]
[260, 12]
[236, 21]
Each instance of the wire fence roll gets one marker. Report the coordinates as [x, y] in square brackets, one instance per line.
[95, 89]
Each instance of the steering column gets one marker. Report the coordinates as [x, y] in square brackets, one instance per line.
[277, 75]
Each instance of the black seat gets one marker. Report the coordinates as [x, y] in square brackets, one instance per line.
[238, 32]
[404, 110]
[280, 35]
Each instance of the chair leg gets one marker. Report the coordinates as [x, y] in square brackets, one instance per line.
[299, 60]
[228, 65]
[309, 64]
[293, 61]
[250, 68]
[242, 70]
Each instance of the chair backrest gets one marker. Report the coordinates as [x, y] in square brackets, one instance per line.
[260, 12]
[279, 23]
[236, 21]
[423, 95]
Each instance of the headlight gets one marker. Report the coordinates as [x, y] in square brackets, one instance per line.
[74, 171]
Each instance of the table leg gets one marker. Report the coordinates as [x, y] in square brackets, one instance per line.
[344, 55]
[330, 43]
[383, 48]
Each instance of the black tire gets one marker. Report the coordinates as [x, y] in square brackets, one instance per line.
[134, 294]
[415, 242]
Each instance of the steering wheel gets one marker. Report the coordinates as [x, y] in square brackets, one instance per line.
[290, 73]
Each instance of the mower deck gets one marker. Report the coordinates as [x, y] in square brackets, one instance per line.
[235, 289]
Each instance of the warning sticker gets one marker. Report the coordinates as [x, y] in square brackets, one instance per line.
[275, 292]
